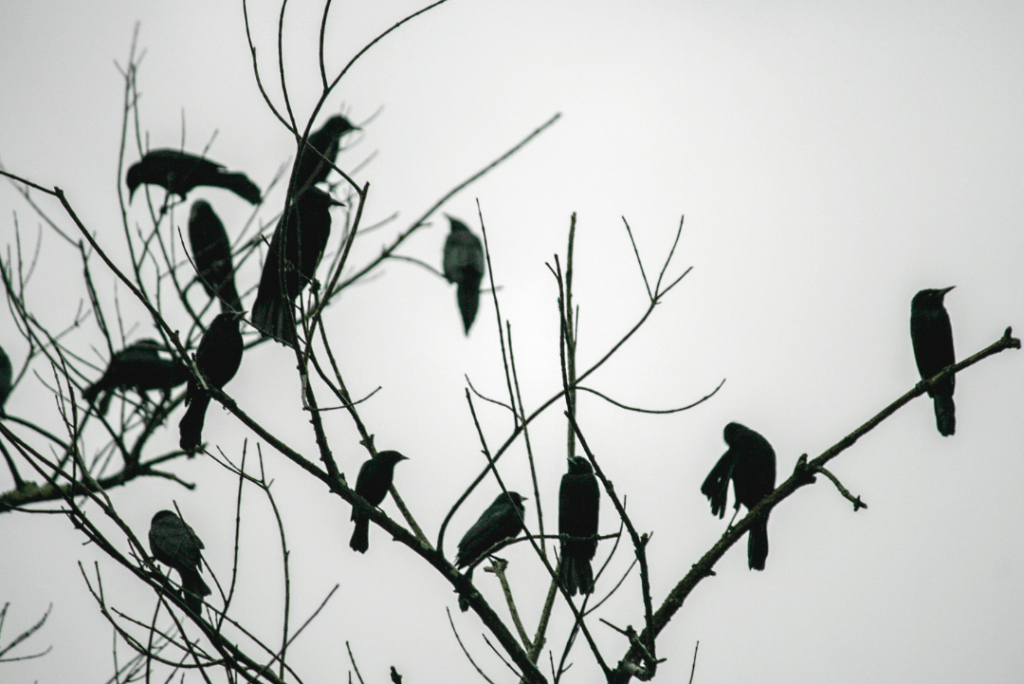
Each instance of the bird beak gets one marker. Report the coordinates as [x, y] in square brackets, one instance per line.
[944, 291]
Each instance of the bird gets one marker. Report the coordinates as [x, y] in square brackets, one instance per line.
[310, 168]
[464, 265]
[579, 501]
[178, 172]
[138, 366]
[218, 357]
[503, 519]
[373, 483]
[298, 244]
[6, 378]
[174, 543]
[750, 464]
[211, 250]
[932, 337]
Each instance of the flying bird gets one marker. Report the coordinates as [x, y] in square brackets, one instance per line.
[932, 336]
[298, 244]
[178, 172]
[140, 367]
[579, 501]
[211, 250]
[310, 168]
[6, 378]
[218, 357]
[372, 484]
[464, 265]
[750, 464]
[175, 544]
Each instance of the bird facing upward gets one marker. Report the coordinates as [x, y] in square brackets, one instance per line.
[750, 464]
[218, 357]
[932, 337]
[178, 172]
[211, 250]
[464, 265]
[310, 168]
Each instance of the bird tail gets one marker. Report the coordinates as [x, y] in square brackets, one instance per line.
[463, 601]
[273, 318]
[361, 534]
[191, 425]
[577, 575]
[757, 544]
[716, 484]
[195, 589]
[240, 184]
[229, 299]
[945, 416]
[468, 294]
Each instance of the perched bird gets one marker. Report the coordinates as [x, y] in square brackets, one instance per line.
[750, 464]
[932, 336]
[503, 519]
[579, 500]
[372, 484]
[218, 357]
[179, 172]
[6, 378]
[464, 265]
[211, 250]
[174, 543]
[138, 366]
[310, 168]
[295, 251]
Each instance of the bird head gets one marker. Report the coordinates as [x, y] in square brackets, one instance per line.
[930, 299]
[200, 208]
[162, 516]
[134, 179]
[456, 224]
[580, 466]
[339, 126]
[391, 457]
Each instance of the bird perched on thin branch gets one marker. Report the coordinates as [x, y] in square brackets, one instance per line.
[174, 543]
[373, 483]
[218, 357]
[750, 464]
[579, 501]
[178, 172]
[211, 250]
[140, 367]
[932, 336]
[298, 244]
[6, 378]
[310, 168]
[464, 265]
[502, 520]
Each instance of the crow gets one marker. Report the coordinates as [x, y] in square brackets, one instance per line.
[218, 357]
[174, 543]
[372, 484]
[298, 244]
[502, 520]
[464, 265]
[178, 172]
[140, 367]
[932, 336]
[750, 464]
[579, 500]
[211, 250]
[310, 168]
[6, 378]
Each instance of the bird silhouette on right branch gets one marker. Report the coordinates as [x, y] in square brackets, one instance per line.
[464, 265]
[932, 336]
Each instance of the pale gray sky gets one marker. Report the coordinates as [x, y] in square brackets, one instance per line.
[830, 161]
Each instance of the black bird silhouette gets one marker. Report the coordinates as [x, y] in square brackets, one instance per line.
[140, 367]
[310, 168]
[932, 335]
[211, 250]
[179, 172]
[175, 544]
[295, 251]
[372, 484]
[6, 378]
[502, 520]
[464, 265]
[750, 464]
[218, 357]
[579, 501]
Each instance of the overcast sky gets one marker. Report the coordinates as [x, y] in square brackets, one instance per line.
[830, 162]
